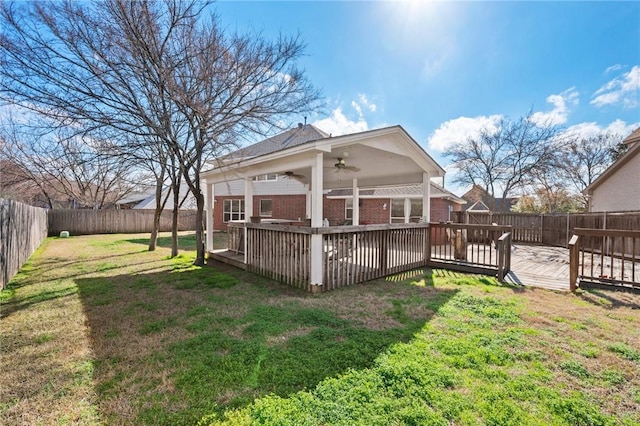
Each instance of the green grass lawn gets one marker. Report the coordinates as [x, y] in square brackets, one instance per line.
[97, 330]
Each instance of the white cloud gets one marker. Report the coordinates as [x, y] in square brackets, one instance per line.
[339, 124]
[624, 89]
[365, 101]
[613, 68]
[357, 107]
[558, 115]
[588, 129]
[459, 130]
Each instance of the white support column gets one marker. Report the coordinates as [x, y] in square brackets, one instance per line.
[356, 203]
[426, 197]
[407, 210]
[248, 210]
[316, 191]
[209, 201]
[248, 199]
[307, 204]
[317, 251]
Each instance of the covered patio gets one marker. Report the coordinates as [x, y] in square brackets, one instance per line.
[319, 257]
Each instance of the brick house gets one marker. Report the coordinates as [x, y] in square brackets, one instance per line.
[285, 196]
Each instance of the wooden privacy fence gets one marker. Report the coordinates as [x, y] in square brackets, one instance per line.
[22, 230]
[609, 257]
[554, 229]
[354, 254]
[87, 222]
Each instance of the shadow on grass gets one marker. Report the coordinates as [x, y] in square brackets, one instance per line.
[185, 241]
[611, 296]
[181, 344]
[12, 305]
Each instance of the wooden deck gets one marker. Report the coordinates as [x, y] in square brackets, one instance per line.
[539, 266]
[531, 265]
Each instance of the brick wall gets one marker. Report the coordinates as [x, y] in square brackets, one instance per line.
[440, 209]
[372, 211]
[283, 207]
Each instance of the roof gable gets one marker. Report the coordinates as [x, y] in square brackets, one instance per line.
[634, 149]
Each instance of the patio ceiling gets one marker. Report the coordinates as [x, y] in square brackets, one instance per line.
[387, 156]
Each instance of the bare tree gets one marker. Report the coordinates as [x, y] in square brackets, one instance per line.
[75, 171]
[504, 158]
[162, 71]
[582, 159]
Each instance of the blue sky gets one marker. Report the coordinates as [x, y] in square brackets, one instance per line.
[443, 69]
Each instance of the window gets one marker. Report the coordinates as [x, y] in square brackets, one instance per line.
[233, 210]
[348, 208]
[272, 177]
[266, 208]
[397, 210]
[401, 206]
[416, 210]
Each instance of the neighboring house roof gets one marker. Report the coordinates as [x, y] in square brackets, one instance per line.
[136, 197]
[478, 194]
[187, 200]
[404, 191]
[478, 207]
[299, 135]
[634, 149]
[633, 138]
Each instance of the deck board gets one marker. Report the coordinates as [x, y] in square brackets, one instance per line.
[539, 266]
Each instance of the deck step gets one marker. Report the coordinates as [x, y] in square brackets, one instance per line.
[227, 257]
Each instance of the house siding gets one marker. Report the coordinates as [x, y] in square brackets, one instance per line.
[621, 191]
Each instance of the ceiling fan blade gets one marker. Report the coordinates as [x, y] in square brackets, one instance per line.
[291, 175]
[352, 168]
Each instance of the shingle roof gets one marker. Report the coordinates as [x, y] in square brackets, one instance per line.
[391, 191]
[293, 137]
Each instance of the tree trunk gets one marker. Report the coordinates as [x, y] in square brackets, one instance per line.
[174, 224]
[153, 239]
[199, 229]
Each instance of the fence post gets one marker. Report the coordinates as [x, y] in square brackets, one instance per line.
[427, 245]
[568, 220]
[574, 258]
[504, 255]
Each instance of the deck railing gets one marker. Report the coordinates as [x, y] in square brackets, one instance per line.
[354, 254]
[604, 256]
[471, 248]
